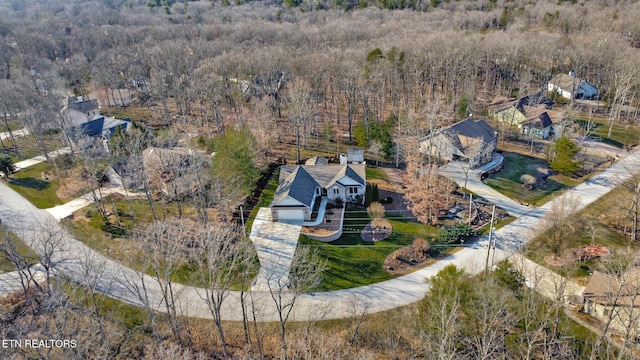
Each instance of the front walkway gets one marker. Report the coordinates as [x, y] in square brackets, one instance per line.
[65, 210]
[41, 158]
[321, 211]
[16, 134]
[275, 244]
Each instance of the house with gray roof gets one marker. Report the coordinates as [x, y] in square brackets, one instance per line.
[470, 140]
[301, 187]
[538, 126]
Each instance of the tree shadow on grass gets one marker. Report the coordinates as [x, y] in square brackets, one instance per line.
[31, 183]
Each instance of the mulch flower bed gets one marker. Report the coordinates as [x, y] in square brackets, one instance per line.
[583, 253]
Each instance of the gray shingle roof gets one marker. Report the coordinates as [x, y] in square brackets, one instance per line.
[297, 184]
[541, 121]
[471, 128]
[83, 106]
[300, 182]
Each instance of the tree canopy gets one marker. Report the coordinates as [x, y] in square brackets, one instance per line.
[564, 154]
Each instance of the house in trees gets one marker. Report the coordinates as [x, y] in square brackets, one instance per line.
[302, 187]
[531, 114]
[264, 84]
[470, 140]
[571, 87]
[85, 126]
[79, 110]
[539, 126]
[173, 171]
[615, 297]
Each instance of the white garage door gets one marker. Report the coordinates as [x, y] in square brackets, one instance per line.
[290, 214]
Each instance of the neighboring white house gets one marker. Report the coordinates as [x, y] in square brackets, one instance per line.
[301, 186]
[571, 87]
[468, 140]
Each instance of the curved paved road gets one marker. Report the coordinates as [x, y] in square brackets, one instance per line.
[36, 226]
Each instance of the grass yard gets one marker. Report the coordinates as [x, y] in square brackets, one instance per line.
[375, 173]
[114, 241]
[27, 148]
[507, 181]
[137, 114]
[352, 262]
[30, 184]
[621, 135]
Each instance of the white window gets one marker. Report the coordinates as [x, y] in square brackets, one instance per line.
[336, 191]
[353, 190]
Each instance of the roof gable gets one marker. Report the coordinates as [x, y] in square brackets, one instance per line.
[299, 182]
[298, 185]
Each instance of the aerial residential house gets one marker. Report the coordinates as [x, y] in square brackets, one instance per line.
[171, 170]
[470, 140]
[571, 87]
[615, 299]
[85, 125]
[79, 110]
[531, 114]
[539, 126]
[301, 187]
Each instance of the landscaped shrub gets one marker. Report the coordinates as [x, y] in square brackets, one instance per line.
[114, 230]
[375, 211]
[371, 194]
[421, 244]
[455, 234]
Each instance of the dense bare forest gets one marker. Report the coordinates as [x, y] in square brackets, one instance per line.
[271, 78]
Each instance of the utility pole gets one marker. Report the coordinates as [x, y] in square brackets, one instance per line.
[244, 230]
[470, 206]
[493, 212]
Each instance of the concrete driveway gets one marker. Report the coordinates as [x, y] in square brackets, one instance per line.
[275, 244]
[458, 172]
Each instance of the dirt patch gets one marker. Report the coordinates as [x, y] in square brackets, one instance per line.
[381, 231]
[583, 253]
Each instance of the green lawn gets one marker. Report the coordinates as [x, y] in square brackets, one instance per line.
[352, 262]
[114, 241]
[375, 173]
[29, 183]
[621, 135]
[507, 181]
[27, 148]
